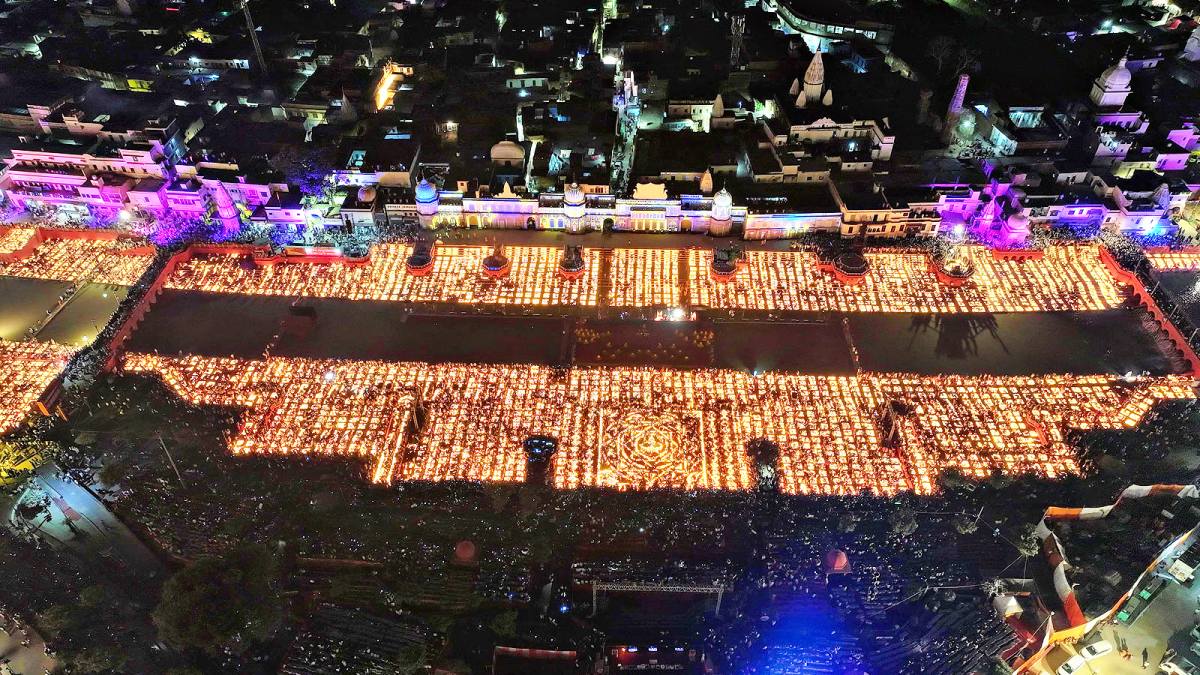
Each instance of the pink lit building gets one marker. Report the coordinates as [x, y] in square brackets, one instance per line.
[137, 175]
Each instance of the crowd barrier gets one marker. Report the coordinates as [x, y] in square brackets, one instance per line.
[259, 255]
[1156, 313]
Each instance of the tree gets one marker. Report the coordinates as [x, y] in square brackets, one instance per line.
[310, 169]
[965, 523]
[504, 624]
[952, 479]
[94, 597]
[1028, 543]
[903, 521]
[939, 49]
[1000, 480]
[96, 660]
[114, 472]
[411, 658]
[56, 620]
[222, 602]
[966, 60]
[501, 16]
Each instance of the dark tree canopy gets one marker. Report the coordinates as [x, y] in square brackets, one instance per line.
[307, 168]
[222, 602]
[411, 658]
[96, 660]
[57, 619]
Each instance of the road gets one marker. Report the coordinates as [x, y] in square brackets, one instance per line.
[24, 660]
[1164, 623]
[82, 523]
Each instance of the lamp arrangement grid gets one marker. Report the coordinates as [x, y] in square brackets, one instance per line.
[641, 428]
[1065, 278]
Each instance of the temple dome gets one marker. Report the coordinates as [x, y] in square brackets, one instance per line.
[723, 198]
[366, 194]
[573, 194]
[426, 191]
[1116, 77]
[508, 152]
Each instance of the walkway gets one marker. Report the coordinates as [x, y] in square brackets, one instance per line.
[82, 523]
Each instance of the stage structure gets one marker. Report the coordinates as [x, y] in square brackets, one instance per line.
[651, 587]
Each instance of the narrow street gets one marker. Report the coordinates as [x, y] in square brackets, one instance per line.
[80, 522]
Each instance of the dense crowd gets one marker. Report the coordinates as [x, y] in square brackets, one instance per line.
[343, 640]
[666, 573]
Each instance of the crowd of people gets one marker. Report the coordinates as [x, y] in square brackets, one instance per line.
[345, 640]
[615, 570]
[856, 594]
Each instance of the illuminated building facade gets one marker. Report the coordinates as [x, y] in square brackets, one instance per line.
[647, 210]
[136, 174]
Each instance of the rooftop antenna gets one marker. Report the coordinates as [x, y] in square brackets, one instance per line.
[262, 62]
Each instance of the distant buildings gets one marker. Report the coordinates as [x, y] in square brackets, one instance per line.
[581, 119]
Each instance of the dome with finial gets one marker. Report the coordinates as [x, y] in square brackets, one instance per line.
[426, 192]
[366, 194]
[723, 198]
[1116, 77]
[573, 194]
